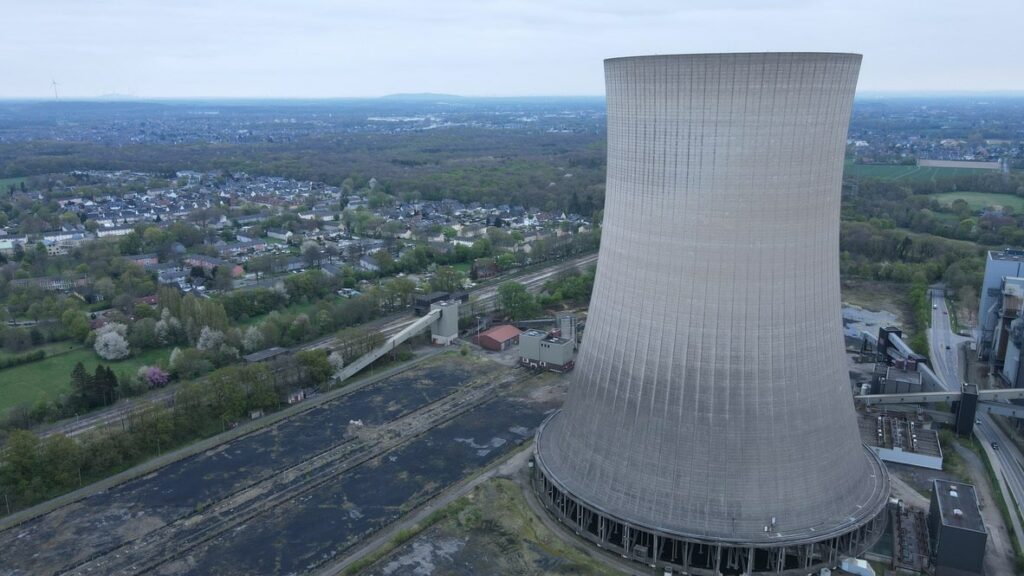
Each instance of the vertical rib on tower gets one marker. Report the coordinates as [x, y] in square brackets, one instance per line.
[711, 393]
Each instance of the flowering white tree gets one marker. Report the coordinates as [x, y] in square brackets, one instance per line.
[253, 339]
[209, 339]
[168, 328]
[111, 345]
[337, 362]
[112, 327]
[280, 289]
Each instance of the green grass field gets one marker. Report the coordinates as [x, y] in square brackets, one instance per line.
[917, 173]
[951, 242]
[308, 309]
[49, 378]
[980, 200]
[50, 349]
[6, 182]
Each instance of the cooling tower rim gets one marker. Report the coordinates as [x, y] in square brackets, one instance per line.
[719, 55]
[867, 513]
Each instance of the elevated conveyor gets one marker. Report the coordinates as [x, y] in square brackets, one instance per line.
[390, 344]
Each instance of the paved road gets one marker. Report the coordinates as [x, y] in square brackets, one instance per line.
[945, 359]
[387, 325]
[943, 342]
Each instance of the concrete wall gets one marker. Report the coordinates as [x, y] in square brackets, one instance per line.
[529, 344]
[995, 270]
[693, 408]
[909, 458]
[557, 352]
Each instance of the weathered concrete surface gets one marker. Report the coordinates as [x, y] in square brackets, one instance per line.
[711, 391]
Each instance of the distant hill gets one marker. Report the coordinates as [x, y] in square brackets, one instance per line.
[114, 96]
[420, 97]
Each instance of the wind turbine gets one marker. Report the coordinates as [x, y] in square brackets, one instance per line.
[54, 82]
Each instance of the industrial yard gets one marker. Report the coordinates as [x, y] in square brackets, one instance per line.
[269, 502]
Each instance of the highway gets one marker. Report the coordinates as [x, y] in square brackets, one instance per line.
[945, 360]
[533, 280]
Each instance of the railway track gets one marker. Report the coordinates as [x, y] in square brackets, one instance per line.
[388, 326]
[174, 540]
[482, 296]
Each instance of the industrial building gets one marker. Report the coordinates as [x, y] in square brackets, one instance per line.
[709, 427]
[499, 338]
[900, 378]
[956, 530]
[547, 350]
[1005, 329]
[446, 329]
[899, 438]
[422, 302]
[568, 326]
[999, 265]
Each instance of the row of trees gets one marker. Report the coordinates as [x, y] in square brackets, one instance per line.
[868, 251]
[573, 288]
[911, 204]
[34, 469]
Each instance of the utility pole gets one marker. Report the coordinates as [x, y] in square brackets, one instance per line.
[8, 503]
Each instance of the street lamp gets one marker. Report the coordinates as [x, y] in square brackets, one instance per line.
[478, 330]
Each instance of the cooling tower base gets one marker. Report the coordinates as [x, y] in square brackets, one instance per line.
[697, 556]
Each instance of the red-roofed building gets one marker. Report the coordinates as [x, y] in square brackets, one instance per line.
[499, 338]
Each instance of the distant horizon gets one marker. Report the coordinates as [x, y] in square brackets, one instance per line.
[433, 96]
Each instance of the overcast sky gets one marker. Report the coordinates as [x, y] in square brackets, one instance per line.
[338, 48]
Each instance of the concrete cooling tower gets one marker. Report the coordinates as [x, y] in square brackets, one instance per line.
[710, 426]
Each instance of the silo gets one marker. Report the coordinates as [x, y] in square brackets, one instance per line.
[710, 425]
[446, 329]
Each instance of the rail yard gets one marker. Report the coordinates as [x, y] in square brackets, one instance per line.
[269, 502]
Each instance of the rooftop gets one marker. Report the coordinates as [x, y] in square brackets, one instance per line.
[901, 375]
[958, 505]
[894, 431]
[1009, 254]
[502, 333]
[265, 354]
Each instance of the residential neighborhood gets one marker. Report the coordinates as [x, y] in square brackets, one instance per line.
[217, 231]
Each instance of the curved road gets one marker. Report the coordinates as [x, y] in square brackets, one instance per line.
[945, 359]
